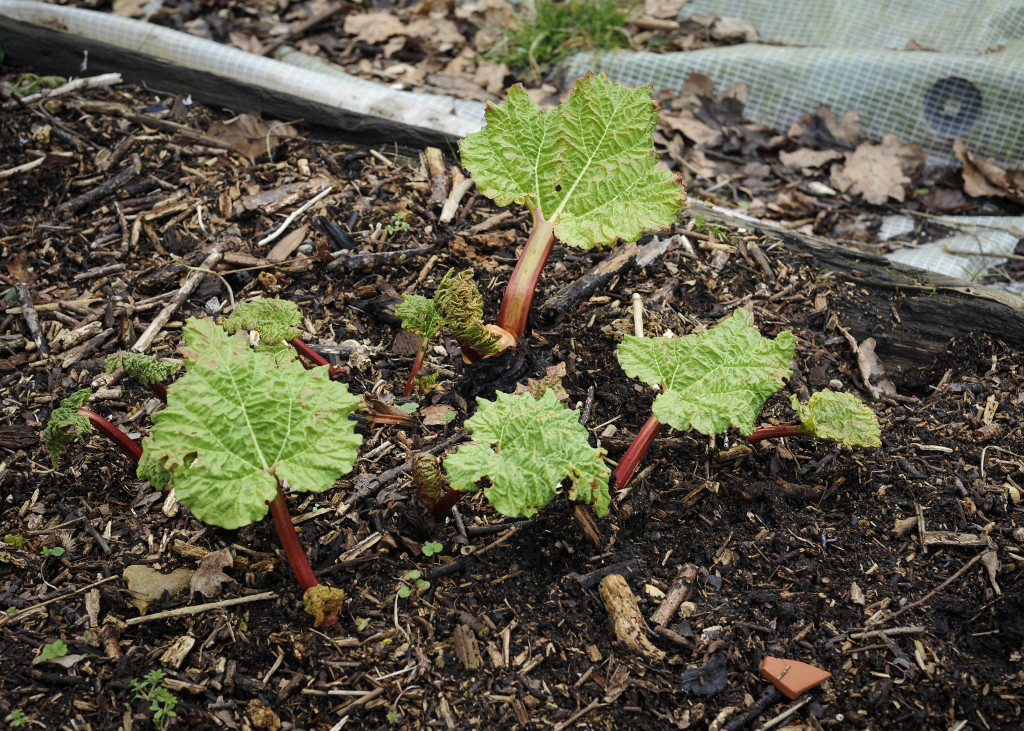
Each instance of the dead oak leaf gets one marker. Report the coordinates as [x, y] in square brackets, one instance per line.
[985, 177]
[375, 27]
[806, 160]
[692, 128]
[434, 34]
[250, 135]
[876, 172]
[210, 575]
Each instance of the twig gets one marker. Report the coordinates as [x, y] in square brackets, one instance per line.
[216, 253]
[89, 82]
[360, 701]
[199, 609]
[295, 214]
[28, 312]
[578, 715]
[868, 634]
[128, 173]
[784, 715]
[454, 199]
[6, 619]
[11, 172]
[934, 591]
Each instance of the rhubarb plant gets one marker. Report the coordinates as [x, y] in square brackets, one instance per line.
[242, 424]
[834, 416]
[144, 368]
[71, 421]
[419, 316]
[721, 378]
[527, 447]
[586, 170]
[710, 381]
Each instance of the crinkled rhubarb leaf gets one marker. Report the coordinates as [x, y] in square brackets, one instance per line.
[527, 446]
[150, 469]
[324, 603]
[419, 315]
[839, 417]
[712, 380]
[239, 420]
[66, 424]
[144, 368]
[588, 167]
[458, 301]
[276, 321]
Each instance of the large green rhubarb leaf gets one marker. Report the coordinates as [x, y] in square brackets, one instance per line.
[527, 446]
[714, 379]
[839, 417]
[588, 167]
[239, 420]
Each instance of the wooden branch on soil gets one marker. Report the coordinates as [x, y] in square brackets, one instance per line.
[199, 609]
[911, 313]
[28, 313]
[214, 253]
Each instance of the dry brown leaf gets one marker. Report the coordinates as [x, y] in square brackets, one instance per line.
[734, 29]
[147, 585]
[435, 34]
[692, 128]
[129, 8]
[668, 9]
[491, 76]
[806, 160]
[435, 415]
[210, 575]
[985, 177]
[876, 172]
[375, 27]
[250, 135]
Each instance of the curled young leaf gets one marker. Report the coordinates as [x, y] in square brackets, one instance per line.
[144, 368]
[527, 446]
[276, 321]
[458, 301]
[714, 379]
[66, 424]
[588, 167]
[238, 421]
[324, 603]
[419, 315]
[427, 475]
[839, 417]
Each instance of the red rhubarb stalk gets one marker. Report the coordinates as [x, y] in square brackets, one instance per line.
[515, 307]
[128, 446]
[160, 390]
[412, 374]
[290, 541]
[307, 352]
[631, 459]
[775, 432]
[444, 504]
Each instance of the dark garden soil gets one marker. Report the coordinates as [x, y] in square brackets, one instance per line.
[898, 570]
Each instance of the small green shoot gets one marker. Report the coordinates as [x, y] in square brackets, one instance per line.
[419, 316]
[18, 541]
[66, 425]
[19, 719]
[144, 368]
[161, 700]
[461, 307]
[832, 416]
[394, 716]
[53, 650]
[413, 583]
[528, 447]
[431, 548]
[398, 224]
[55, 552]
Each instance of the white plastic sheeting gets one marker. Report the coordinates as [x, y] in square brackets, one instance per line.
[326, 84]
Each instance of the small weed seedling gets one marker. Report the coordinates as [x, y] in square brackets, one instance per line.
[419, 316]
[721, 378]
[413, 583]
[431, 547]
[53, 650]
[19, 719]
[527, 446]
[162, 702]
[588, 173]
[397, 225]
[54, 552]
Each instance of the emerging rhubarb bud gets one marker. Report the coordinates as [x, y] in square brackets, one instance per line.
[458, 301]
